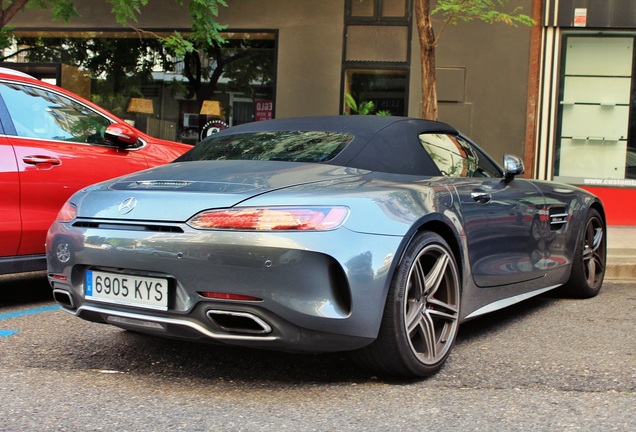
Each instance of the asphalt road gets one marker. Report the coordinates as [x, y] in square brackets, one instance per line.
[547, 364]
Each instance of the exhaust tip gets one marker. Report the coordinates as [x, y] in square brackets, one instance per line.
[64, 298]
[239, 322]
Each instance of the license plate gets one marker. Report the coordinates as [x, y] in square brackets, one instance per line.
[139, 291]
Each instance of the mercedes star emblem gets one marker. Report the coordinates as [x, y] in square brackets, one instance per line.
[127, 205]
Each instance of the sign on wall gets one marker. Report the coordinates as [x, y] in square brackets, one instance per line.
[263, 110]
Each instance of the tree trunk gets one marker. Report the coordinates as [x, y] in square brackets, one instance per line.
[7, 14]
[427, 55]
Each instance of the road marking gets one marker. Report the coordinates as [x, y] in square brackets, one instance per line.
[24, 312]
[5, 333]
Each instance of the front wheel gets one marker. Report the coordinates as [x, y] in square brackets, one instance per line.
[590, 258]
[421, 315]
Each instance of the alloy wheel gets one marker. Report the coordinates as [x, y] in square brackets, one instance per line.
[431, 309]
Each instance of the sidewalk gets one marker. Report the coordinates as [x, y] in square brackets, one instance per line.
[621, 253]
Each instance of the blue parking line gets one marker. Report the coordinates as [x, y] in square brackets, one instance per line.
[25, 312]
[5, 333]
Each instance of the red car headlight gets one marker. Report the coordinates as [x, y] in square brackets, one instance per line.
[67, 213]
[272, 219]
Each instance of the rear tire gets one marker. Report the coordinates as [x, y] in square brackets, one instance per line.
[421, 315]
[590, 257]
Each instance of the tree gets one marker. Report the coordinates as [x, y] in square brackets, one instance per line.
[204, 53]
[205, 29]
[453, 12]
[244, 62]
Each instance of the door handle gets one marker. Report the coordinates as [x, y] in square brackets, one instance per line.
[39, 159]
[481, 197]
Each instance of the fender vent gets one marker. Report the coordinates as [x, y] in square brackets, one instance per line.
[558, 218]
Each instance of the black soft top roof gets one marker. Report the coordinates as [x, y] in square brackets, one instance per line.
[380, 143]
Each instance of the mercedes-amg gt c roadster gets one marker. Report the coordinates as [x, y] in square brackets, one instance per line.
[369, 234]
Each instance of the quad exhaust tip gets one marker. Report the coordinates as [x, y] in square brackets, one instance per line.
[239, 322]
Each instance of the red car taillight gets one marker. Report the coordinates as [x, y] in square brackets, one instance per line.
[272, 219]
[67, 213]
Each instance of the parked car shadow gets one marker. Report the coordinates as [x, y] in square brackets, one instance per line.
[128, 352]
[24, 289]
[498, 321]
[113, 349]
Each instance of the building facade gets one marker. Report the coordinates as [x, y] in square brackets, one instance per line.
[586, 129]
[558, 93]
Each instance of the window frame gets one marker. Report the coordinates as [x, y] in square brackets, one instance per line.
[489, 167]
[8, 121]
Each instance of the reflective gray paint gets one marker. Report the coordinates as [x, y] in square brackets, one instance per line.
[320, 291]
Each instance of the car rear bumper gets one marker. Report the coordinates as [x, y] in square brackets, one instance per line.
[311, 291]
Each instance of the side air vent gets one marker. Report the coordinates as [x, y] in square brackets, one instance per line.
[558, 218]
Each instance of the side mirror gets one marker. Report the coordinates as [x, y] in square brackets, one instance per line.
[513, 166]
[121, 135]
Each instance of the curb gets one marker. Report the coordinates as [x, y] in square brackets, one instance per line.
[621, 253]
[621, 266]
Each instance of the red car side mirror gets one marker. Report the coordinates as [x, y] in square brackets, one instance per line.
[121, 135]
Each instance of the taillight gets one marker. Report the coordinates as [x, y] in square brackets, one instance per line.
[272, 219]
[67, 213]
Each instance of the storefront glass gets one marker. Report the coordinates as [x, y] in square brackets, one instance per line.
[596, 145]
[386, 89]
[175, 98]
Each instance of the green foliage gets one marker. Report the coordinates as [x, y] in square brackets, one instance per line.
[177, 44]
[126, 10]
[351, 102]
[364, 107]
[6, 37]
[203, 14]
[489, 11]
[206, 31]
[63, 10]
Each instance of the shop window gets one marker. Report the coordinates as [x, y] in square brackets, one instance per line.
[595, 144]
[385, 89]
[120, 68]
[376, 56]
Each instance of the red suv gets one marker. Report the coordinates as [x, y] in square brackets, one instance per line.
[53, 143]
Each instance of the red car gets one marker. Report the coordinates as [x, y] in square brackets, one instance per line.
[52, 143]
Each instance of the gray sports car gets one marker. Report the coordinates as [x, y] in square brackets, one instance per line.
[375, 235]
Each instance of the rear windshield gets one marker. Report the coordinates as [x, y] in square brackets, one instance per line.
[292, 146]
